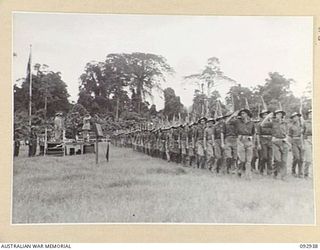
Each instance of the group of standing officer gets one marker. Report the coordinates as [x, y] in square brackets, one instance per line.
[231, 144]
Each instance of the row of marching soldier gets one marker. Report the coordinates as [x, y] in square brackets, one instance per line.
[231, 144]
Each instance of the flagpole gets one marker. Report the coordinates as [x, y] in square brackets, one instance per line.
[30, 87]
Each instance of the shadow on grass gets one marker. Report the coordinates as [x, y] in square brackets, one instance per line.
[127, 183]
[72, 177]
[174, 171]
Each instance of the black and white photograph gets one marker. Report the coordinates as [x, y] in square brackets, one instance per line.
[165, 119]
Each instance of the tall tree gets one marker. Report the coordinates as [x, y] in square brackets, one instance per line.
[210, 77]
[104, 85]
[172, 104]
[207, 81]
[147, 72]
[277, 89]
[49, 93]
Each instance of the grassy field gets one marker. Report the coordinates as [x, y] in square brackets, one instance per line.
[133, 187]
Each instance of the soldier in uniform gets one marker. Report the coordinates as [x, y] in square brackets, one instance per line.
[32, 142]
[167, 143]
[280, 144]
[264, 142]
[296, 138]
[58, 127]
[307, 133]
[153, 146]
[191, 144]
[86, 127]
[16, 139]
[162, 143]
[41, 144]
[209, 143]
[255, 149]
[184, 144]
[218, 135]
[230, 143]
[175, 145]
[199, 140]
[156, 142]
[246, 139]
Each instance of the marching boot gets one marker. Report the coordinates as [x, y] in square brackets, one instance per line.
[300, 163]
[228, 165]
[214, 166]
[198, 161]
[192, 161]
[202, 162]
[187, 161]
[262, 166]
[293, 169]
[306, 169]
[183, 160]
[283, 170]
[163, 155]
[241, 168]
[248, 170]
[168, 157]
[180, 158]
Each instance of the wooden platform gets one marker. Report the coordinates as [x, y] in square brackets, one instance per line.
[55, 149]
[69, 148]
[76, 148]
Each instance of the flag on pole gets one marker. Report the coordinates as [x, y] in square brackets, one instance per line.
[29, 66]
[29, 76]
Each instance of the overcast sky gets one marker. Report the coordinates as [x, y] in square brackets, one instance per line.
[248, 47]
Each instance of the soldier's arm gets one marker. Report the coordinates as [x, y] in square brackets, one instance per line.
[303, 130]
[232, 116]
[213, 131]
[264, 121]
[254, 135]
[205, 138]
[193, 139]
[187, 141]
[288, 134]
[222, 139]
[258, 132]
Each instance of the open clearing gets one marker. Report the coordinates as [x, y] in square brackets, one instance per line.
[134, 187]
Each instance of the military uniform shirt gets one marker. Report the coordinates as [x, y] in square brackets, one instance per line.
[295, 130]
[245, 128]
[199, 133]
[279, 129]
[218, 129]
[184, 135]
[307, 128]
[231, 128]
[208, 133]
[266, 129]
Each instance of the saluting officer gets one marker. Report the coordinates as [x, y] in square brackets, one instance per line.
[280, 143]
[246, 140]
